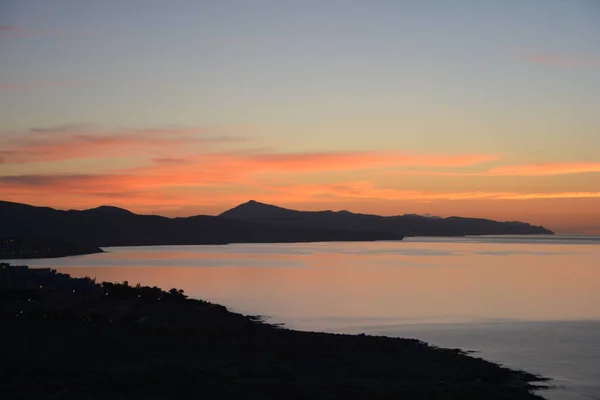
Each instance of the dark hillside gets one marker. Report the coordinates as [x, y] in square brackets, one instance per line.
[404, 225]
[111, 226]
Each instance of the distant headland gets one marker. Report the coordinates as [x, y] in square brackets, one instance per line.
[404, 225]
[251, 222]
[14, 248]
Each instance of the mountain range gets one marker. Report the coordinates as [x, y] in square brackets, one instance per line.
[251, 222]
[405, 225]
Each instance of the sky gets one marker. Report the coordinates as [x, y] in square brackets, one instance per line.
[182, 107]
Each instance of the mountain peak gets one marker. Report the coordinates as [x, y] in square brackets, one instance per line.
[109, 210]
[254, 209]
[254, 203]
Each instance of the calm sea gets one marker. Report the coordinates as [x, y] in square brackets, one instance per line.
[526, 302]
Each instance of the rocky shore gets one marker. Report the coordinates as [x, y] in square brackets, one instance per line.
[74, 338]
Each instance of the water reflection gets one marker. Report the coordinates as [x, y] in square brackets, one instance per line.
[417, 281]
[468, 293]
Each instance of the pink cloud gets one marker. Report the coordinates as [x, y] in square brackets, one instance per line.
[72, 142]
[176, 160]
[21, 32]
[25, 87]
[239, 167]
[563, 61]
[170, 149]
[7, 30]
[175, 167]
[345, 161]
[364, 190]
[546, 169]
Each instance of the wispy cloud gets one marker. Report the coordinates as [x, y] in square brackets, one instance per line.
[71, 142]
[146, 192]
[248, 167]
[320, 161]
[364, 190]
[563, 60]
[178, 167]
[533, 170]
[558, 195]
[169, 160]
[64, 129]
[29, 86]
[546, 169]
[173, 147]
[7, 31]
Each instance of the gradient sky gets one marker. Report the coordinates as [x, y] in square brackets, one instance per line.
[450, 107]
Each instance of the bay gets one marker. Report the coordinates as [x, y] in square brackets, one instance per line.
[528, 302]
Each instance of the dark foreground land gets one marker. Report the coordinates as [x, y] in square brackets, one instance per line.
[72, 338]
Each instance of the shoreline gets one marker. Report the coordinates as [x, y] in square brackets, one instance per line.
[16, 248]
[4, 255]
[81, 338]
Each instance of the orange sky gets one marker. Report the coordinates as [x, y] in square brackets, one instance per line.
[179, 172]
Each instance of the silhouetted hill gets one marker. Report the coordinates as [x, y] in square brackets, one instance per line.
[12, 248]
[111, 226]
[405, 225]
[107, 210]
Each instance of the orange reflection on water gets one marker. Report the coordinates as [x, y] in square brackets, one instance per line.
[412, 280]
